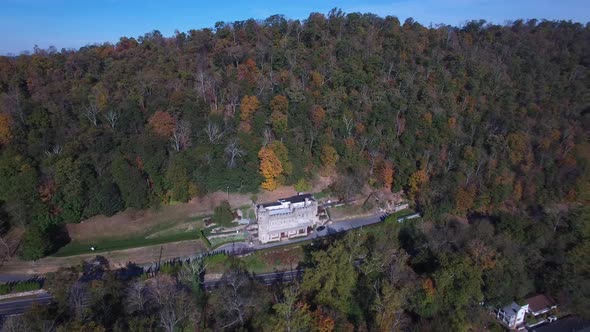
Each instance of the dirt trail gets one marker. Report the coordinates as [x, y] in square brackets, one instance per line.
[117, 259]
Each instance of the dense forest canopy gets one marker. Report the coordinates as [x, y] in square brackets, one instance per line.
[463, 120]
[486, 121]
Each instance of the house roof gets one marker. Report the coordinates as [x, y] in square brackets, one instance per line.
[540, 302]
[566, 324]
[511, 309]
[292, 199]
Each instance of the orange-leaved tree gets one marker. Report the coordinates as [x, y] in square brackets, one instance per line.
[318, 114]
[248, 106]
[464, 199]
[387, 174]
[5, 128]
[270, 168]
[162, 124]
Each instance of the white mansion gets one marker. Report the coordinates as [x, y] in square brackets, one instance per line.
[287, 218]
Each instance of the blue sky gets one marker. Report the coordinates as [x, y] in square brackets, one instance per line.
[75, 23]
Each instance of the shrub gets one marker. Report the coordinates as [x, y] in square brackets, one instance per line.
[35, 244]
[302, 185]
[223, 215]
[19, 287]
[25, 286]
[4, 289]
[170, 268]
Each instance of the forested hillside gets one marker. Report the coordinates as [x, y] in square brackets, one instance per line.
[463, 119]
[486, 121]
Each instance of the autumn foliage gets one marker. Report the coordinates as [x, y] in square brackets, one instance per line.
[5, 128]
[416, 180]
[318, 114]
[248, 106]
[323, 322]
[329, 159]
[162, 124]
[248, 71]
[270, 168]
[387, 174]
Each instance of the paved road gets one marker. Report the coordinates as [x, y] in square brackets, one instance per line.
[18, 305]
[335, 227]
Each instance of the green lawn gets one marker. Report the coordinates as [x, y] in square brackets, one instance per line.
[321, 194]
[218, 242]
[168, 231]
[104, 245]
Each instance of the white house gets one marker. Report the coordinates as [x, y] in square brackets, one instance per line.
[512, 315]
[286, 218]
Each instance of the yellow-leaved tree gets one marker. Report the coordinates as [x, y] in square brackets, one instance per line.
[329, 159]
[270, 168]
[416, 180]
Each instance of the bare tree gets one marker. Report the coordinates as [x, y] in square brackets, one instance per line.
[192, 270]
[181, 137]
[3, 231]
[112, 118]
[236, 297]
[213, 131]
[348, 125]
[54, 151]
[15, 324]
[137, 297]
[11, 102]
[175, 310]
[373, 154]
[267, 136]
[174, 304]
[92, 113]
[232, 151]
[77, 296]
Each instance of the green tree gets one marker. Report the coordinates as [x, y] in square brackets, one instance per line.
[36, 243]
[290, 313]
[333, 277]
[105, 199]
[223, 214]
[178, 178]
[131, 184]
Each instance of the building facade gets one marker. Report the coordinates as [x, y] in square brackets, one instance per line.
[287, 218]
[512, 315]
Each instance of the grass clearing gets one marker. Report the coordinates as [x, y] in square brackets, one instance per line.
[218, 242]
[344, 212]
[157, 236]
